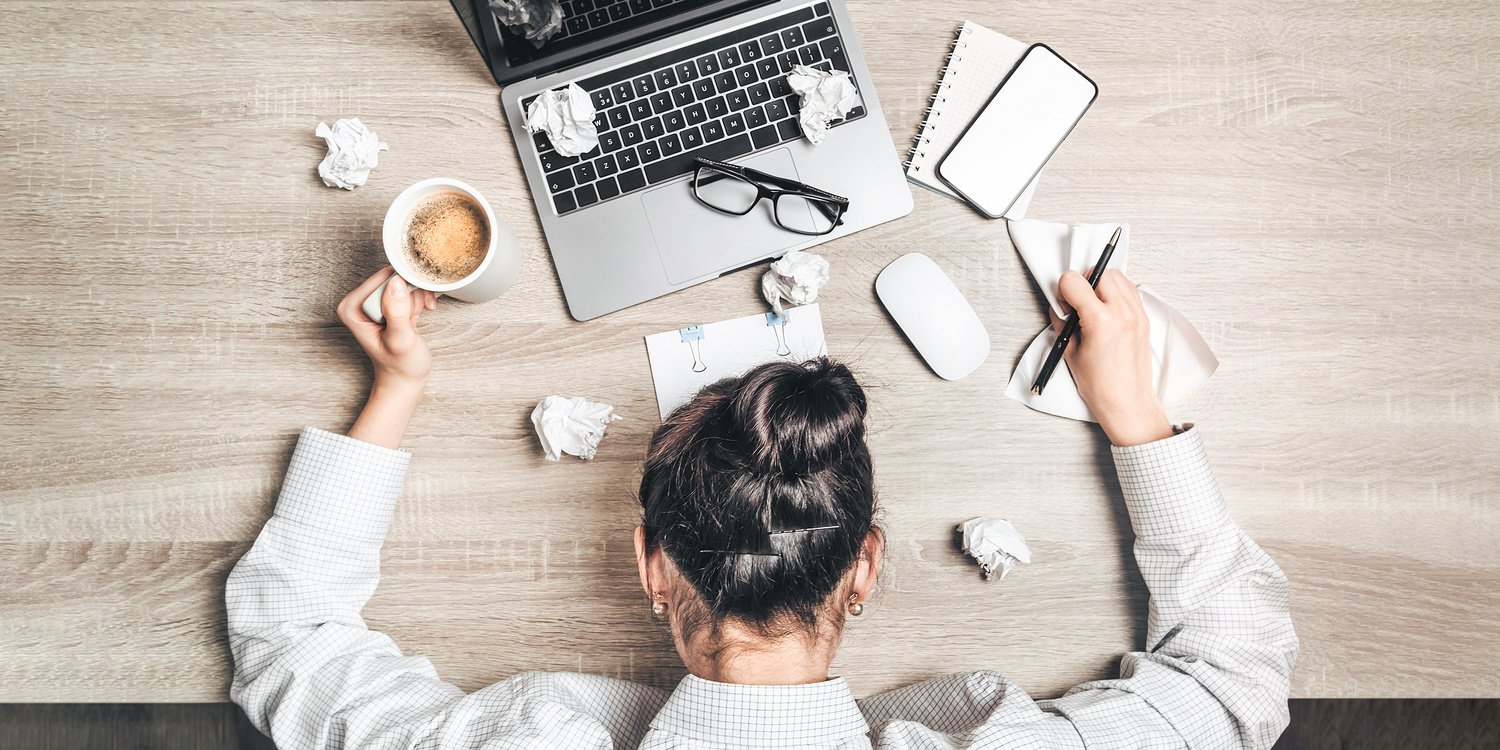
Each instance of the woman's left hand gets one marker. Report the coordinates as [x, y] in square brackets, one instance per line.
[399, 354]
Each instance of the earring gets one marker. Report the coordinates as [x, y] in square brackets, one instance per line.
[658, 605]
[855, 608]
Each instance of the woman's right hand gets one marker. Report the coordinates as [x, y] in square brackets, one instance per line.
[1110, 358]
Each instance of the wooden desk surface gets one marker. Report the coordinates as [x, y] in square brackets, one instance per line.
[1313, 185]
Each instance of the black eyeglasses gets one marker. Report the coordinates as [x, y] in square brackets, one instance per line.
[795, 207]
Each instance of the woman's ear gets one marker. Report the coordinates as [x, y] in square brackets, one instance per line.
[648, 561]
[867, 567]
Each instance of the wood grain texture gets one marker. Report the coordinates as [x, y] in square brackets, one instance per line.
[1313, 184]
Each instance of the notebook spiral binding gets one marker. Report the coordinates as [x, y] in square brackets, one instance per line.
[928, 112]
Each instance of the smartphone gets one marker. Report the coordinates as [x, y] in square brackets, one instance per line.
[1006, 146]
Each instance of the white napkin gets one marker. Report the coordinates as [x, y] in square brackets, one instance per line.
[995, 544]
[352, 152]
[571, 425]
[536, 20]
[796, 277]
[1181, 357]
[826, 96]
[566, 115]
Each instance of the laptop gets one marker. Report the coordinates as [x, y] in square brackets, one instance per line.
[674, 80]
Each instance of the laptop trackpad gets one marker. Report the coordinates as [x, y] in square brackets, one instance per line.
[696, 241]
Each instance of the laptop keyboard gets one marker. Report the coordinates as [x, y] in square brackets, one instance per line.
[584, 16]
[718, 98]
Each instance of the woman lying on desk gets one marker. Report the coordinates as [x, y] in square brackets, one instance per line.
[756, 542]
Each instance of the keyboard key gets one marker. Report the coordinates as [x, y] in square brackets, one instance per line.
[601, 121]
[787, 60]
[606, 166]
[755, 117]
[725, 82]
[707, 65]
[716, 107]
[776, 110]
[696, 114]
[691, 138]
[661, 102]
[598, 18]
[750, 51]
[652, 129]
[621, 92]
[787, 129]
[649, 152]
[746, 75]
[582, 7]
[643, 86]
[631, 135]
[553, 161]
[713, 131]
[564, 203]
[661, 3]
[793, 37]
[759, 94]
[618, 11]
[729, 58]
[586, 195]
[577, 25]
[779, 87]
[673, 121]
[602, 99]
[685, 70]
[733, 125]
[765, 136]
[833, 49]
[640, 109]
[682, 163]
[670, 145]
[703, 88]
[771, 44]
[809, 54]
[560, 180]
[665, 79]
[632, 180]
[584, 173]
[640, 6]
[682, 95]
[628, 160]
[610, 142]
[738, 100]
[822, 9]
[619, 117]
[607, 188]
[768, 68]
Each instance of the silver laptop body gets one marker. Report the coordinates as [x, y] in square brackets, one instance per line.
[634, 247]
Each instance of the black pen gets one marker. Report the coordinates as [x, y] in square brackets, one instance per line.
[1071, 327]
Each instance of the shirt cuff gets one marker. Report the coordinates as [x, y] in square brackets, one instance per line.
[1169, 486]
[341, 486]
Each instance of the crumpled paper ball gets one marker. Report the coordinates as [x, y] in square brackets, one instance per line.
[566, 115]
[826, 96]
[796, 277]
[352, 152]
[995, 544]
[535, 20]
[571, 425]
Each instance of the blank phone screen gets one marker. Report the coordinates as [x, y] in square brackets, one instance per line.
[1016, 133]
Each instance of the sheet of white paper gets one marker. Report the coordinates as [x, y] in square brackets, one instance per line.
[685, 360]
[995, 544]
[536, 20]
[1181, 359]
[566, 115]
[826, 96]
[795, 277]
[571, 425]
[352, 152]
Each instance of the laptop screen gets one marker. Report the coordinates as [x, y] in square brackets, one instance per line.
[525, 38]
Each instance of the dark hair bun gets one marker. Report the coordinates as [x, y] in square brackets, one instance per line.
[761, 491]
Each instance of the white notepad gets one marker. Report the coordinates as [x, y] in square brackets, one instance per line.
[980, 60]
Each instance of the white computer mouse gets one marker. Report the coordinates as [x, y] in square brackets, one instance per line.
[934, 315]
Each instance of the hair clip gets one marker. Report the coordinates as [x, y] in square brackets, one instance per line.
[766, 551]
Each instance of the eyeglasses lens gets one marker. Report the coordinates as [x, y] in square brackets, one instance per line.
[805, 214]
[725, 191]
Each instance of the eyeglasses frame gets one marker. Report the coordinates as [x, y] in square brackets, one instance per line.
[784, 186]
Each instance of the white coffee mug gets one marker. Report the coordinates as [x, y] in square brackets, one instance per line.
[495, 274]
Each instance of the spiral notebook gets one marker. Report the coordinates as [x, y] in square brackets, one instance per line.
[979, 61]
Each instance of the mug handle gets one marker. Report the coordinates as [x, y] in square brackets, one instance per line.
[371, 305]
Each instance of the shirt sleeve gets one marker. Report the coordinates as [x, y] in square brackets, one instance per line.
[1219, 648]
[307, 671]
